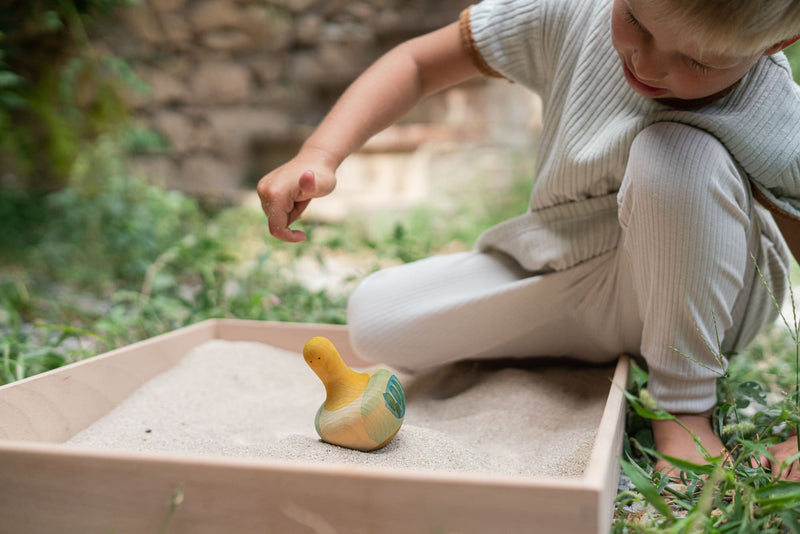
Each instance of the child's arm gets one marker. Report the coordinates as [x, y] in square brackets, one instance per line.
[379, 97]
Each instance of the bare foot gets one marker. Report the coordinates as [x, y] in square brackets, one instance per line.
[673, 440]
[782, 452]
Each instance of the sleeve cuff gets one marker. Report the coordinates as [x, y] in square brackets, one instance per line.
[471, 48]
[682, 394]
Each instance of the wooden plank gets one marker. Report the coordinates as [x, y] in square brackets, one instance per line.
[602, 471]
[87, 493]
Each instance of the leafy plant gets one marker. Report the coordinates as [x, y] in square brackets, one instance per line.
[726, 494]
[793, 54]
[57, 92]
[109, 218]
[27, 350]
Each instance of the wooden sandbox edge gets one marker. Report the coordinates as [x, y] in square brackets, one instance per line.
[602, 471]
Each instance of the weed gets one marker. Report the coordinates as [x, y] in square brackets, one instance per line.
[26, 350]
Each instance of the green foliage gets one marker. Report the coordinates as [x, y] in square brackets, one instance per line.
[22, 216]
[56, 91]
[110, 218]
[27, 349]
[197, 279]
[723, 494]
[418, 232]
[793, 54]
[26, 353]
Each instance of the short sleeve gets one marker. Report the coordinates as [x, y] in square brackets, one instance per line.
[468, 42]
[504, 39]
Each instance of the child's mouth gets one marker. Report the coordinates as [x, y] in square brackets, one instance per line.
[640, 87]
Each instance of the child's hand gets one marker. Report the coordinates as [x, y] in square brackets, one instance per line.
[782, 452]
[286, 191]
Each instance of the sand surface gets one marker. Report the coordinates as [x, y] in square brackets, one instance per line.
[253, 400]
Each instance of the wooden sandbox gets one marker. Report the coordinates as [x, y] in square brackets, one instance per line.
[46, 487]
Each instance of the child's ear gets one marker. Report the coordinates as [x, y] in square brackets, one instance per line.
[786, 43]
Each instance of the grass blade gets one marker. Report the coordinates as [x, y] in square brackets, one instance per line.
[644, 485]
[684, 465]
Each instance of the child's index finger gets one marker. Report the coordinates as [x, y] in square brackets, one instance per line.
[279, 221]
[284, 233]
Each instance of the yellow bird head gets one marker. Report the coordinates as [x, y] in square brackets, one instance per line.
[321, 355]
[342, 384]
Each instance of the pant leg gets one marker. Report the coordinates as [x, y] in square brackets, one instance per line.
[690, 230]
[483, 305]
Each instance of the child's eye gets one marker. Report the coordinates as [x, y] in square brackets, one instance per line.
[696, 65]
[632, 21]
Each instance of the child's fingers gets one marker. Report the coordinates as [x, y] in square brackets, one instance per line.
[308, 190]
[283, 201]
[791, 471]
[765, 463]
[280, 207]
[279, 221]
[297, 210]
[281, 211]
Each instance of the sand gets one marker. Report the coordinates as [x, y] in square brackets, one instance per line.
[253, 400]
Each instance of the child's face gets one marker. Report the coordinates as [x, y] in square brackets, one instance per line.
[658, 65]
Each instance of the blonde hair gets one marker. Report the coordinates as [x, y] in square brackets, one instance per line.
[733, 27]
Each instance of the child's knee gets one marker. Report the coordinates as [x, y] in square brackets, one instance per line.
[675, 171]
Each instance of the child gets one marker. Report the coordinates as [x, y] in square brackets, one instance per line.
[669, 126]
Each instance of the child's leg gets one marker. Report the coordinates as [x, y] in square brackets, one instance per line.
[476, 305]
[689, 230]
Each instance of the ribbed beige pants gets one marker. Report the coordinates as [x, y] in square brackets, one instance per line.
[683, 270]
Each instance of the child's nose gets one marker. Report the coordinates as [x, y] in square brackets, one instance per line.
[648, 65]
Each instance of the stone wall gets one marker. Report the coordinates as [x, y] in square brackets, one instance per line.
[236, 85]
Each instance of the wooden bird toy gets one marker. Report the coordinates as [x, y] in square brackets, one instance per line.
[361, 411]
